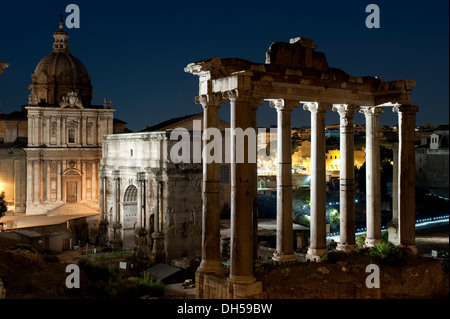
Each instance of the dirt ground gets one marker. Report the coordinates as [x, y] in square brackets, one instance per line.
[414, 277]
[345, 278]
[36, 276]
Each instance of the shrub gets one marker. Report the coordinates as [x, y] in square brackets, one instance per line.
[382, 250]
[97, 271]
[304, 220]
[361, 240]
[24, 247]
[385, 236]
[107, 282]
[332, 257]
[134, 287]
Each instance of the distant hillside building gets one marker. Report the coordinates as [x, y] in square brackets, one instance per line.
[432, 160]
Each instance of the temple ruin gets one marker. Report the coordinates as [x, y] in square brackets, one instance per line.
[296, 74]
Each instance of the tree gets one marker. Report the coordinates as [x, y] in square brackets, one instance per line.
[333, 219]
[2, 204]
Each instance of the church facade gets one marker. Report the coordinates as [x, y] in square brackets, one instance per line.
[51, 149]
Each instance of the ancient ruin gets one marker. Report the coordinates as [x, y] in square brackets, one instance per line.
[296, 74]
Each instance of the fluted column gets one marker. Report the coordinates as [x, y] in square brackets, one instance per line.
[94, 181]
[36, 180]
[373, 186]
[211, 177]
[101, 202]
[254, 186]
[241, 267]
[393, 224]
[116, 180]
[48, 181]
[318, 246]
[284, 247]
[347, 241]
[83, 180]
[139, 203]
[29, 182]
[395, 184]
[406, 177]
[58, 181]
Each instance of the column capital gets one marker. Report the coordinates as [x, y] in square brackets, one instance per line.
[316, 107]
[405, 109]
[116, 175]
[283, 105]
[213, 99]
[345, 110]
[371, 110]
[141, 176]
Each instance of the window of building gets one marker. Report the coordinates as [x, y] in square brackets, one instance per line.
[71, 137]
[224, 174]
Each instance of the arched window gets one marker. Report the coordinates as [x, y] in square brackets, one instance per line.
[130, 194]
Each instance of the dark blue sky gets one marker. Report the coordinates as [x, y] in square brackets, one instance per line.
[135, 51]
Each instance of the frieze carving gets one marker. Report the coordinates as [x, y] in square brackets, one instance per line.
[71, 100]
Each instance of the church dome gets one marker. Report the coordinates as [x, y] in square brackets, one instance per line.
[58, 74]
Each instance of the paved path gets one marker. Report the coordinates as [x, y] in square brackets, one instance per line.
[62, 214]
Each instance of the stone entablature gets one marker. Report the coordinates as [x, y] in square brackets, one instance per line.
[305, 82]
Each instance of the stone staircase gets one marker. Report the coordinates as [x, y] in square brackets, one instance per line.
[73, 209]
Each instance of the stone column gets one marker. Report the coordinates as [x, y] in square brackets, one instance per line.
[48, 182]
[318, 245]
[157, 254]
[29, 183]
[63, 130]
[210, 263]
[103, 225]
[101, 202]
[347, 241]
[58, 181]
[157, 207]
[116, 222]
[83, 180]
[406, 177]
[58, 131]
[94, 181]
[139, 203]
[241, 250]
[284, 247]
[115, 196]
[36, 179]
[373, 186]
[393, 224]
[254, 186]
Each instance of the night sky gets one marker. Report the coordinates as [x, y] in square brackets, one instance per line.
[136, 51]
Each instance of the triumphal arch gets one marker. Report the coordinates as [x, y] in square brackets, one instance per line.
[295, 74]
